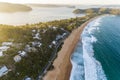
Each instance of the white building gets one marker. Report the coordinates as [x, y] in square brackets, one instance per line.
[6, 43]
[54, 27]
[17, 58]
[36, 43]
[1, 53]
[27, 48]
[3, 71]
[4, 48]
[22, 53]
[50, 46]
[40, 44]
[54, 42]
[37, 36]
[58, 37]
[64, 34]
[28, 78]
[33, 30]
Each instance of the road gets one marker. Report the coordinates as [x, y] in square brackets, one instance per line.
[52, 58]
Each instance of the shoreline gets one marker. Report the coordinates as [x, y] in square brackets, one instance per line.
[62, 64]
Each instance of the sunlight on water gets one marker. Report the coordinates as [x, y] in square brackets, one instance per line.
[37, 15]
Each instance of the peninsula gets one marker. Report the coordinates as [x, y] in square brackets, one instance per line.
[11, 7]
[35, 51]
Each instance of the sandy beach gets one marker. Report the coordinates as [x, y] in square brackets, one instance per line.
[62, 63]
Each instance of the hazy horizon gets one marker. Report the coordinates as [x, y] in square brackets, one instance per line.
[77, 2]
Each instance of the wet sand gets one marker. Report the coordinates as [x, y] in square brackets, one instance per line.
[62, 63]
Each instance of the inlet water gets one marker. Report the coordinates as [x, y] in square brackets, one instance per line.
[97, 55]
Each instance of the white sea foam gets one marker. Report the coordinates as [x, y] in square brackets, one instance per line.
[85, 66]
[93, 69]
[111, 15]
[77, 72]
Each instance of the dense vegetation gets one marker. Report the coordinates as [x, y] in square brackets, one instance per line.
[98, 11]
[32, 64]
[10, 7]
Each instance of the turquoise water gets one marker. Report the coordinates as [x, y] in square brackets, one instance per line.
[107, 48]
[97, 57]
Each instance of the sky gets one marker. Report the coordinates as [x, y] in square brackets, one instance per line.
[65, 1]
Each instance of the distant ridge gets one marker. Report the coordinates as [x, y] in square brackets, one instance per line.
[51, 5]
[113, 11]
[10, 7]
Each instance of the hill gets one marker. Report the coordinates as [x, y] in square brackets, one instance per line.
[10, 7]
[51, 5]
[97, 11]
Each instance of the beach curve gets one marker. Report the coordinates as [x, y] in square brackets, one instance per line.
[62, 64]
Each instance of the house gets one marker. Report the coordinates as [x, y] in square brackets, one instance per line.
[37, 36]
[58, 37]
[27, 48]
[1, 53]
[54, 42]
[64, 34]
[3, 71]
[54, 27]
[22, 53]
[50, 46]
[40, 44]
[36, 43]
[6, 43]
[28, 78]
[17, 58]
[4, 48]
[33, 30]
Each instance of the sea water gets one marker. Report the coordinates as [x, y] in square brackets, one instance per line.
[97, 55]
[38, 14]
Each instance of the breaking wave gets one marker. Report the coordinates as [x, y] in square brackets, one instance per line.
[85, 66]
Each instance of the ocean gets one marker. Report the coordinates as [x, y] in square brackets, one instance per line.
[97, 55]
